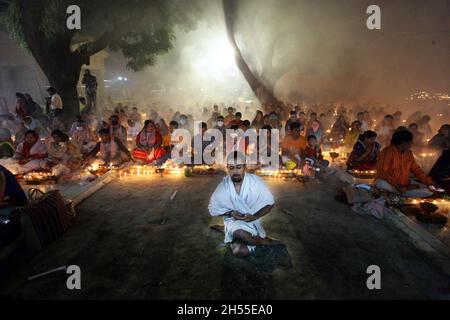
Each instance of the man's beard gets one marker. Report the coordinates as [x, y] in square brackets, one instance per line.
[236, 178]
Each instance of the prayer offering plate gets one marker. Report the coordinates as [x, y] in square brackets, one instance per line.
[428, 207]
[100, 170]
[40, 180]
[432, 217]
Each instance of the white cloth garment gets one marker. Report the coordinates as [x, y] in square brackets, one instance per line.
[39, 148]
[56, 102]
[253, 196]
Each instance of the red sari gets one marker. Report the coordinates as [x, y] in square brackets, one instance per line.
[148, 140]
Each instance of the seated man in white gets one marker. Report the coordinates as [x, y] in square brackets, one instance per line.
[242, 199]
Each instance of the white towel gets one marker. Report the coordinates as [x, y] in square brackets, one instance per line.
[253, 196]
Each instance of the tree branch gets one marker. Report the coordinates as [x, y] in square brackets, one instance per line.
[89, 49]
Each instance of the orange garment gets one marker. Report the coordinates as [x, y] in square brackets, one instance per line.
[228, 119]
[395, 167]
[166, 140]
[293, 145]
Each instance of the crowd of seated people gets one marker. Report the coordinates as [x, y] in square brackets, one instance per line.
[369, 133]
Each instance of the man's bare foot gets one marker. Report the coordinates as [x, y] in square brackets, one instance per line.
[271, 242]
[218, 228]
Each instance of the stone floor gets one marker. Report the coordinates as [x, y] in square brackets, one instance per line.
[132, 242]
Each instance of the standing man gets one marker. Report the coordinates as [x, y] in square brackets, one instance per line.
[56, 103]
[242, 199]
[90, 83]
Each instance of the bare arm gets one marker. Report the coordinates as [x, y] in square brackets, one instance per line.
[261, 213]
[123, 148]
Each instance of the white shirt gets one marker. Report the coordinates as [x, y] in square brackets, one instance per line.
[56, 102]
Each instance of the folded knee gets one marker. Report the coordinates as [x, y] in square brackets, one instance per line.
[241, 235]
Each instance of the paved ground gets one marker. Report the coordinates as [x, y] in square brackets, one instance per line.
[132, 242]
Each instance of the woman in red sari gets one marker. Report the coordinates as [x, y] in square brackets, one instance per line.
[149, 144]
[30, 153]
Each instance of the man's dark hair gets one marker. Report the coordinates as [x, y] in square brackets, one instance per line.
[267, 127]
[57, 132]
[293, 113]
[174, 124]
[368, 134]
[311, 137]
[204, 125]
[60, 134]
[51, 90]
[401, 128]
[220, 118]
[400, 137]
[103, 131]
[238, 114]
[147, 122]
[34, 133]
[413, 125]
[246, 123]
[295, 125]
[389, 116]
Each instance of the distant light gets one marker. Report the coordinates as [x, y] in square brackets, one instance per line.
[125, 79]
[120, 78]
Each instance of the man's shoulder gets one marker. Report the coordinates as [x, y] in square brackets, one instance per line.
[222, 185]
[255, 179]
[386, 149]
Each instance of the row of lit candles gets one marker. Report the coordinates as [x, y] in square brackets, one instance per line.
[435, 201]
[282, 173]
[38, 175]
[145, 170]
[363, 171]
[424, 155]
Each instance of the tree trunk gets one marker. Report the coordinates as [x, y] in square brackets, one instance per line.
[61, 66]
[264, 94]
[65, 79]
